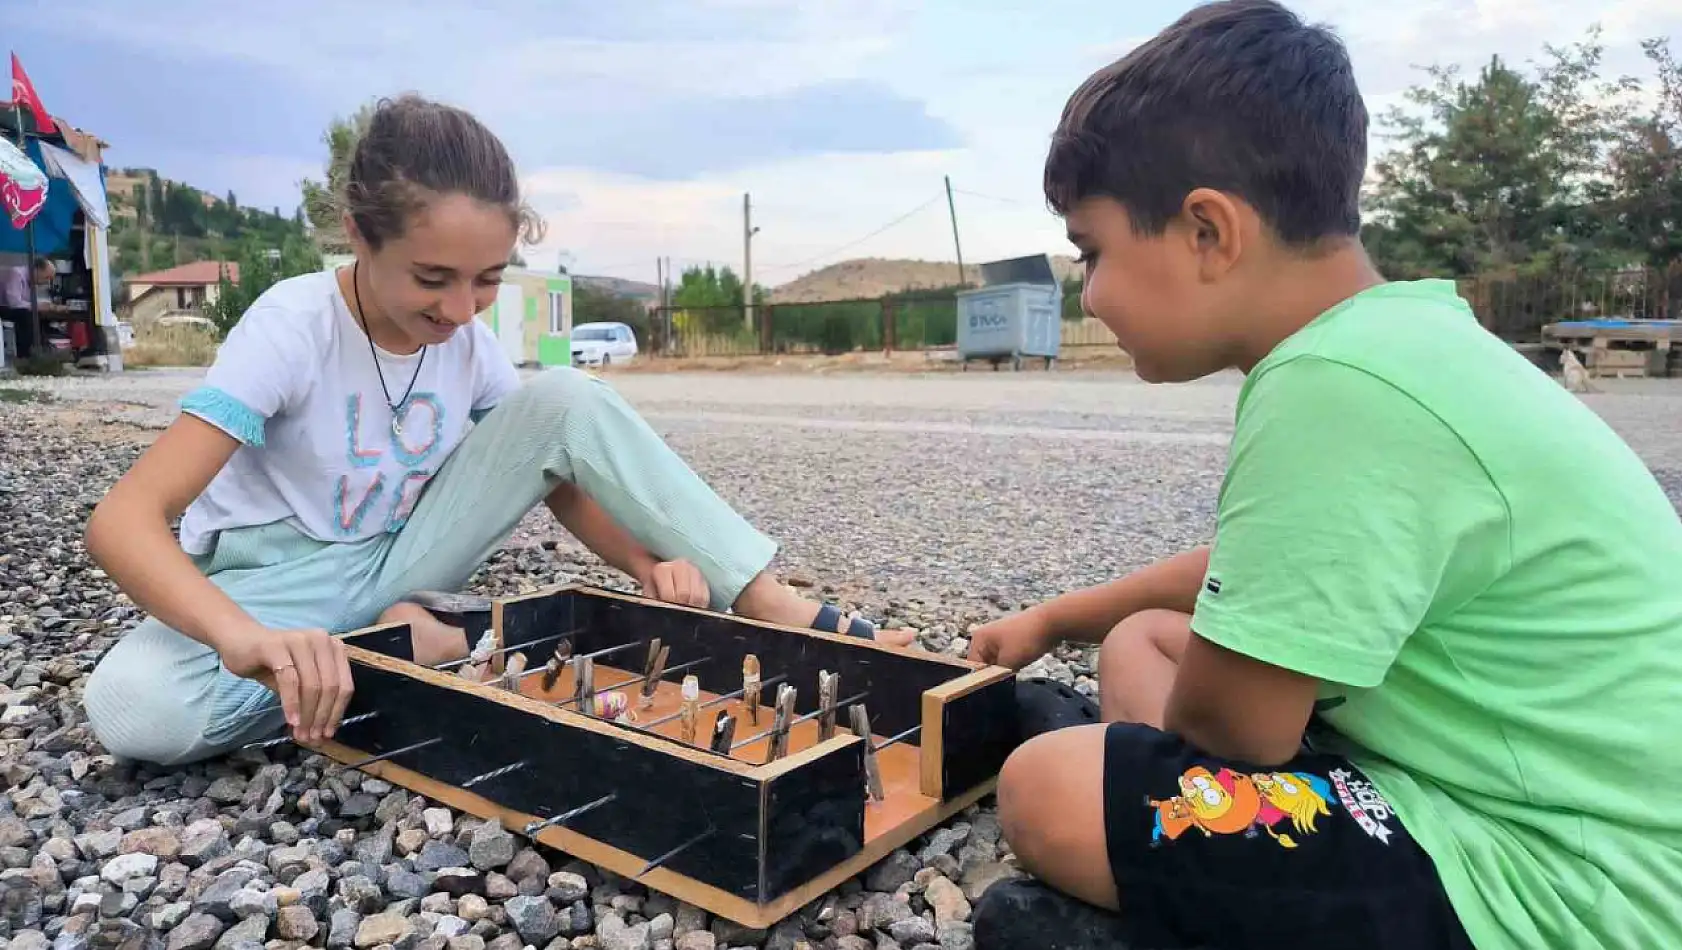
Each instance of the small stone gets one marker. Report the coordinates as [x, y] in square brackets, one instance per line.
[881, 911]
[697, 940]
[296, 923]
[410, 841]
[688, 918]
[856, 942]
[492, 846]
[467, 942]
[527, 864]
[981, 878]
[566, 887]
[169, 916]
[28, 940]
[439, 822]
[472, 907]
[198, 932]
[450, 925]
[956, 936]
[358, 805]
[203, 843]
[612, 933]
[943, 841]
[226, 790]
[100, 844]
[248, 933]
[533, 918]
[124, 866]
[158, 842]
[342, 928]
[912, 930]
[407, 884]
[661, 927]
[437, 855]
[893, 872]
[382, 928]
[253, 903]
[499, 888]
[457, 881]
[947, 901]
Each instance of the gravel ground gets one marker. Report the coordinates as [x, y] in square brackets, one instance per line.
[936, 502]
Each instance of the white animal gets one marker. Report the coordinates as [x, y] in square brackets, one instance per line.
[1576, 375]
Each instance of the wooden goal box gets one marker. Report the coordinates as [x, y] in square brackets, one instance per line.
[750, 826]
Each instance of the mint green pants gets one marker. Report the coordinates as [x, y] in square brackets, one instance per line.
[160, 696]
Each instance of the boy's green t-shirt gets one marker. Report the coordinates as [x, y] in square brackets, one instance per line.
[1489, 583]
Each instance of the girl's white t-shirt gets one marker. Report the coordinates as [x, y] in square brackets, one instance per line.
[295, 383]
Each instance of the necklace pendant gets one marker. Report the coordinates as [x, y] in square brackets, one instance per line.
[396, 426]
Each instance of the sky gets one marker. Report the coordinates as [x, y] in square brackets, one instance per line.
[638, 126]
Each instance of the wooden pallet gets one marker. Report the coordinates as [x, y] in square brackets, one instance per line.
[748, 839]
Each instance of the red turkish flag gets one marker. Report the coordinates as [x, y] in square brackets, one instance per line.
[23, 92]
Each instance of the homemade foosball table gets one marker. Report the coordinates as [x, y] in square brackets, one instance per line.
[744, 767]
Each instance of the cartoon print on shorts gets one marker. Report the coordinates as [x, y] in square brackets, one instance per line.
[1230, 803]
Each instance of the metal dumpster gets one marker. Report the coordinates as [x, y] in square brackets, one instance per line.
[1016, 313]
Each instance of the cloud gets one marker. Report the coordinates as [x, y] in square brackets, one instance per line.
[638, 126]
[683, 137]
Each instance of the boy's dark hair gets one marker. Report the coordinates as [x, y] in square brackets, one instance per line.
[1240, 96]
[413, 148]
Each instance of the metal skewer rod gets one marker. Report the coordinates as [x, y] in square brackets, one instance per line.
[566, 816]
[494, 773]
[662, 859]
[283, 740]
[632, 682]
[470, 658]
[792, 722]
[392, 754]
[896, 739]
[711, 702]
[584, 656]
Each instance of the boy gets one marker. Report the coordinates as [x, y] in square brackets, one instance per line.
[1425, 687]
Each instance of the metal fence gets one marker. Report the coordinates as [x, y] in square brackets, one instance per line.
[1513, 307]
[904, 323]
[1516, 307]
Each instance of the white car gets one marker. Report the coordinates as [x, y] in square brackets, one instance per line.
[602, 344]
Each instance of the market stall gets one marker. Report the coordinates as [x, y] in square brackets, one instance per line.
[52, 185]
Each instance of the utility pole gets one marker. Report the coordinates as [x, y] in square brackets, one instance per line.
[748, 231]
[952, 209]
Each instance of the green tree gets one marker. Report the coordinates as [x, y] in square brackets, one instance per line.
[261, 266]
[1646, 201]
[712, 299]
[593, 305]
[1503, 173]
[321, 198]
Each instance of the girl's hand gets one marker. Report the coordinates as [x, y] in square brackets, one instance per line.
[307, 668]
[676, 582]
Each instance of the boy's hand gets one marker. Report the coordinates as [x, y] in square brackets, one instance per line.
[1013, 642]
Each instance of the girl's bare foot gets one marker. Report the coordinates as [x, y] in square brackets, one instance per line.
[766, 599]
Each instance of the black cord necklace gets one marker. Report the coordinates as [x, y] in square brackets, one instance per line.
[396, 418]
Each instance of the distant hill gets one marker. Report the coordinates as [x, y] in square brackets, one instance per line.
[872, 277]
[637, 290]
[157, 223]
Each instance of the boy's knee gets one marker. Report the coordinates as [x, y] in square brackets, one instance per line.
[1030, 783]
[1163, 631]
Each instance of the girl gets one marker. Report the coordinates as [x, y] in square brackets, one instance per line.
[361, 438]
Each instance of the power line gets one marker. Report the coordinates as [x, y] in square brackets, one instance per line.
[977, 194]
[851, 244]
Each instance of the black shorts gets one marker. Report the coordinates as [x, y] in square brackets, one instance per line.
[1213, 853]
